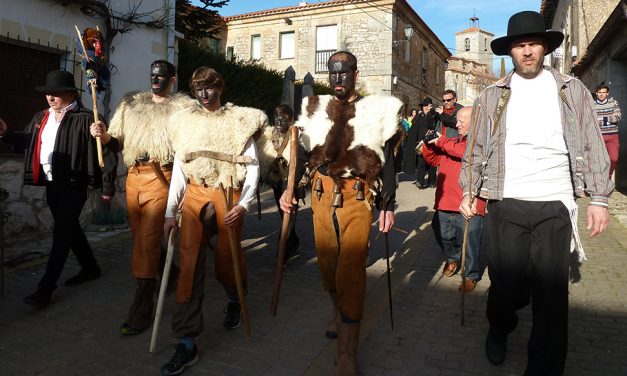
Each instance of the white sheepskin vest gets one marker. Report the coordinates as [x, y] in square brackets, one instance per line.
[225, 130]
[139, 124]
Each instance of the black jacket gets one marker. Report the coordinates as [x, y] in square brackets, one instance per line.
[421, 124]
[449, 122]
[75, 158]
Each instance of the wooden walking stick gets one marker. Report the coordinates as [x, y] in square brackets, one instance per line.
[285, 225]
[387, 260]
[165, 276]
[227, 203]
[473, 128]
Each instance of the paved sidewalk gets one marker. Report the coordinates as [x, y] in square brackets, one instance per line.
[78, 333]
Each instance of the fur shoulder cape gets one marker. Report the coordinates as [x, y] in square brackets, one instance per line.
[267, 149]
[139, 124]
[226, 130]
[349, 136]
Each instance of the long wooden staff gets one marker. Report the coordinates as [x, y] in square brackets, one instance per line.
[473, 129]
[228, 203]
[92, 86]
[165, 276]
[285, 225]
[387, 260]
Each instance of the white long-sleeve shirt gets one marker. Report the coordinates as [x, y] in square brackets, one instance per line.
[49, 138]
[178, 184]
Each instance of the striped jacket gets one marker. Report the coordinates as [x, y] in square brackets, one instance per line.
[483, 164]
[610, 110]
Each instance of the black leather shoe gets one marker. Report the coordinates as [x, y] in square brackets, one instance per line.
[83, 276]
[233, 316]
[182, 358]
[496, 347]
[40, 298]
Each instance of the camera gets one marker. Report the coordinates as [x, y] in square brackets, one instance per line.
[430, 135]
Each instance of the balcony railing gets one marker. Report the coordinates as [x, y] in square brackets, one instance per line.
[322, 57]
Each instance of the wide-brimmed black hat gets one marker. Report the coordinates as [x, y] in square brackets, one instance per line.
[526, 24]
[58, 80]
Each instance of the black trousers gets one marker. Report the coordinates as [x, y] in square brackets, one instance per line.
[528, 260]
[423, 167]
[66, 202]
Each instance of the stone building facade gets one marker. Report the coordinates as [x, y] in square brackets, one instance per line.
[398, 54]
[469, 71]
[468, 78]
[595, 51]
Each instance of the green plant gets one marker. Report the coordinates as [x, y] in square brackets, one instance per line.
[247, 83]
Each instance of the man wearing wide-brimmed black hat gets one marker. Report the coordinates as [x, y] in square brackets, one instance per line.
[62, 157]
[533, 148]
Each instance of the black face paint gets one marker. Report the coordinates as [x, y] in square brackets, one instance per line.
[341, 79]
[207, 96]
[159, 80]
[282, 122]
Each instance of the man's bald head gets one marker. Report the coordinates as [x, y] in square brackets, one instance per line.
[463, 120]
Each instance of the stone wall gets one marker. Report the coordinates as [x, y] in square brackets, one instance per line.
[368, 31]
[29, 212]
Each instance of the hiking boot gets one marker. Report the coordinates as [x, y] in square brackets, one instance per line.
[127, 330]
[182, 358]
[233, 316]
[83, 276]
[450, 268]
[468, 285]
[40, 298]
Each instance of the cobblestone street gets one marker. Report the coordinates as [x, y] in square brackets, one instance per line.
[78, 334]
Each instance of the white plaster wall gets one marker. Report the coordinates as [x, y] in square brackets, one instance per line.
[132, 53]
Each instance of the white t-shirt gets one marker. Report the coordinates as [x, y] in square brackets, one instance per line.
[536, 159]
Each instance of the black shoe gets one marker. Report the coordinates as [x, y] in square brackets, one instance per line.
[496, 347]
[83, 276]
[40, 298]
[233, 316]
[182, 358]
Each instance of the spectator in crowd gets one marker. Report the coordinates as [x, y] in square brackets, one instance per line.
[413, 161]
[447, 113]
[608, 116]
[448, 223]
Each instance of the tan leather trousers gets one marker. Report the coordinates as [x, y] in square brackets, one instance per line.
[342, 254]
[192, 237]
[146, 199]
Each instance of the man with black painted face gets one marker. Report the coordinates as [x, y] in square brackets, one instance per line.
[214, 146]
[138, 130]
[275, 168]
[350, 143]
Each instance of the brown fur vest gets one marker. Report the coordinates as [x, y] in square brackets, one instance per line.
[349, 137]
[139, 124]
[226, 131]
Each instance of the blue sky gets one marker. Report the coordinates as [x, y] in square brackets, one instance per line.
[445, 18]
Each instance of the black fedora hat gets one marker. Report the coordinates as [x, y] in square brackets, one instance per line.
[526, 24]
[58, 80]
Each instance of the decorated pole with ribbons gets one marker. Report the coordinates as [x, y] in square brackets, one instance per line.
[94, 64]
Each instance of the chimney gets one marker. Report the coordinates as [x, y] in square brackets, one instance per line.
[302, 3]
